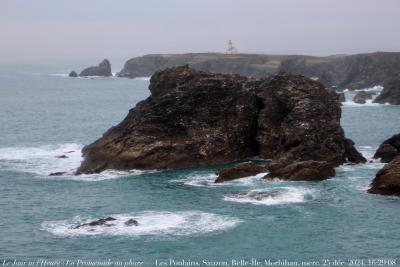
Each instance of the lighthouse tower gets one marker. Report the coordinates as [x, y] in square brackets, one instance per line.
[231, 49]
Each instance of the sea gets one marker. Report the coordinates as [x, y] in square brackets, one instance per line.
[184, 218]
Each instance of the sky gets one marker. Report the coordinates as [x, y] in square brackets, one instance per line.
[50, 31]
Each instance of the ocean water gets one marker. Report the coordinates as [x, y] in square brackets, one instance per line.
[182, 214]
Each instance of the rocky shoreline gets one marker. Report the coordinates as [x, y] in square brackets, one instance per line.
[194, 118]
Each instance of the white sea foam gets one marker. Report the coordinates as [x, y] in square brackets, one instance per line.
[207, 179]
[151, 223]
[278, 196]
[44, 160]
[143, 78]
[369, 103]
[376, 88]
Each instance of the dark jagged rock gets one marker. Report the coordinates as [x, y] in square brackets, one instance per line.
[309, 170]
[73, 74]
[362, 96]
[100, 222]
[57, 173]
[62, 157]
[240, 170]
[389, 149]
[346, 71]
[352, 154]
[131, 222]
[103, 69]
[391, 92]
[387, 180]
[300, 122]
[193, 118]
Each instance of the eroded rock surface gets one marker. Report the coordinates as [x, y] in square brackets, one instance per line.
[240, 170]
[387, 180]
[103, 69]
[193, 118]
[391, 92]
[389, 149]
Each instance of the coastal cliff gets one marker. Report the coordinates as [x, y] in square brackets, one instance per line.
[194, 118]
[336, 72]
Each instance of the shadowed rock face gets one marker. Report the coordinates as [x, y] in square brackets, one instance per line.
[103, 69]
[391, 92]
[387, 180]
[193, 118]
[389, 149]
[347, 71]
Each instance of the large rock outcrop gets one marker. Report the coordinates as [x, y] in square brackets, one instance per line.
[387, 180]
[193, 118]
[389, 149]
[391, 92]
[103, 69]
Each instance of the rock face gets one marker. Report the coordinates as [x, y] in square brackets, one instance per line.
[362, 97]
[309, 170]
[346, 71]
[391, 92]
[387, 180]
[193, 118]
[352, 154]
[389, 149]
[103, 69]
[73, 74]
[241, 170]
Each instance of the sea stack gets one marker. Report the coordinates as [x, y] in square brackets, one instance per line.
[103, 69]
[194, 118]
[73, 74]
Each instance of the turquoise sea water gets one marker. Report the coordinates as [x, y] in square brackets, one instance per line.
[182, 214]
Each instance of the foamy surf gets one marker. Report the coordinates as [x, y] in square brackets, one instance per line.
[275, 196]
[151, 223]
[48, 159]
[201, 179]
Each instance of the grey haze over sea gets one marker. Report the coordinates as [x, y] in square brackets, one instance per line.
[182, 213]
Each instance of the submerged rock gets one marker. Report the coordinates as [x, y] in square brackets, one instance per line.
[240, 170]
[362, 97]
[389, 149]
[193, 118]
[73, 74]
[62, 157]
[57, 173]
[131, 222]
[103, 69]
[99, 222]
[391, 92]
[387, 180]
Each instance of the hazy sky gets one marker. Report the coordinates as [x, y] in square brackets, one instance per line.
[49, 31]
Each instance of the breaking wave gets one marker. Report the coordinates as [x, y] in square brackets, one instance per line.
[151, 223]
[48, 159]
[278, 196]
